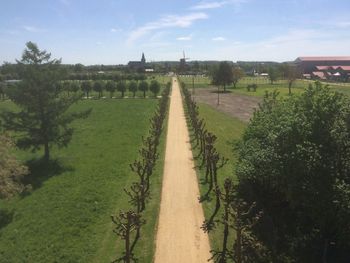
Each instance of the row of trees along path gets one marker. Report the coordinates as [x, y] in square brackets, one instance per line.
[179, 237]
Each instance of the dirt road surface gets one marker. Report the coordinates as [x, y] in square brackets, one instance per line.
[236, 105]
[179, 237]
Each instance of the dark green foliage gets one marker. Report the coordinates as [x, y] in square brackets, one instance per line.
[99, 86]
[2, 90]
[121, 87]
[294, 163]
[86, 87]
[223, 75]
[43, 118]
[143, 86]
[133, 87]
[111, 86]
[154, 87]
[252, 87]
[273, 74]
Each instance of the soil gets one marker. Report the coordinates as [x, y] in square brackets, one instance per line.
[236, 105]
[179, 237]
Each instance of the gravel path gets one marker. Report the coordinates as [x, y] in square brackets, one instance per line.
[179, 237]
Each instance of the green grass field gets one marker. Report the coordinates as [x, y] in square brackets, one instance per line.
[228, 130]
[264, 85]
[66, 218]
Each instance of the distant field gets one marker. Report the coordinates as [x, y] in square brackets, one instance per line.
[264, 85]
[228, 130]
[67, 217]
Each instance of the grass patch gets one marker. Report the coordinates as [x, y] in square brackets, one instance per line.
[264, 85]
[67, 217]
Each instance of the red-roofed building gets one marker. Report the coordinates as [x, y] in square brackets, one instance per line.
[308, 64]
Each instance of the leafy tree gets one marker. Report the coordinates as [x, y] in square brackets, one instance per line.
[133, 87]
[121, 87]
[2, 90]
[154, 87]
[223, 75]
[11, 171]
[143, 86]
[74, 86]
[43, 118]
[99, 87]
[86, 87]
[273, 74]
[294, 162]
[237, 74]
[291, 74]
[111, 87]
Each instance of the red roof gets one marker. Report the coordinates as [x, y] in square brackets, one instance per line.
[345, 68]
[319, 74]
[322, 67]
[335, 58]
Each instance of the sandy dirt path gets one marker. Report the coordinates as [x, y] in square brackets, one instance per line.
[179, 237]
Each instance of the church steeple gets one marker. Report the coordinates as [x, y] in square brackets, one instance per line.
[143, 59]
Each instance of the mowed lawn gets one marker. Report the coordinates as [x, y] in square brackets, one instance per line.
[263, 85]
[66, 218]
[228, 130]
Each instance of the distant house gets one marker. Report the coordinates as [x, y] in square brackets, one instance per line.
[138, 65]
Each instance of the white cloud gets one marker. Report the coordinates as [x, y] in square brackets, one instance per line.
[216, 4]
[184, 38]
[33, 29]
[168, 21]
[295, 43]
[218, 39]
[114, 30]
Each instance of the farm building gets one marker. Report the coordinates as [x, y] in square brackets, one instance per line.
[331, 68]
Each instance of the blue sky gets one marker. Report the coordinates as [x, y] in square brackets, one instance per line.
[116, 31]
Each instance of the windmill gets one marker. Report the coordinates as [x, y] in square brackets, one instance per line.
[183, 62]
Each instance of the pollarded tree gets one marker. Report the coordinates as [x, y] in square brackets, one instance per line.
[11, 171]
[133, 87]
[98, 87]
[121, 87]
[294, 162]
[154, 87]
[86, 87]
[43, 118]
[111, 86]
[143, 86]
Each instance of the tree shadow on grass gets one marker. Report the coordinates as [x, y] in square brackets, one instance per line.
[41, 170]
[6, 216]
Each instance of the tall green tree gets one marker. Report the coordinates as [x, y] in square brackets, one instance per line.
[86, 87]
[294, 162]
[143, 86]
[237, 74]
[223, 75]
[43, 118]
[98, 87]
[121, 87]
[111, 86]
[273, 74]
[133, 87]
[154, 87]
[2, 90]
[291, 74]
